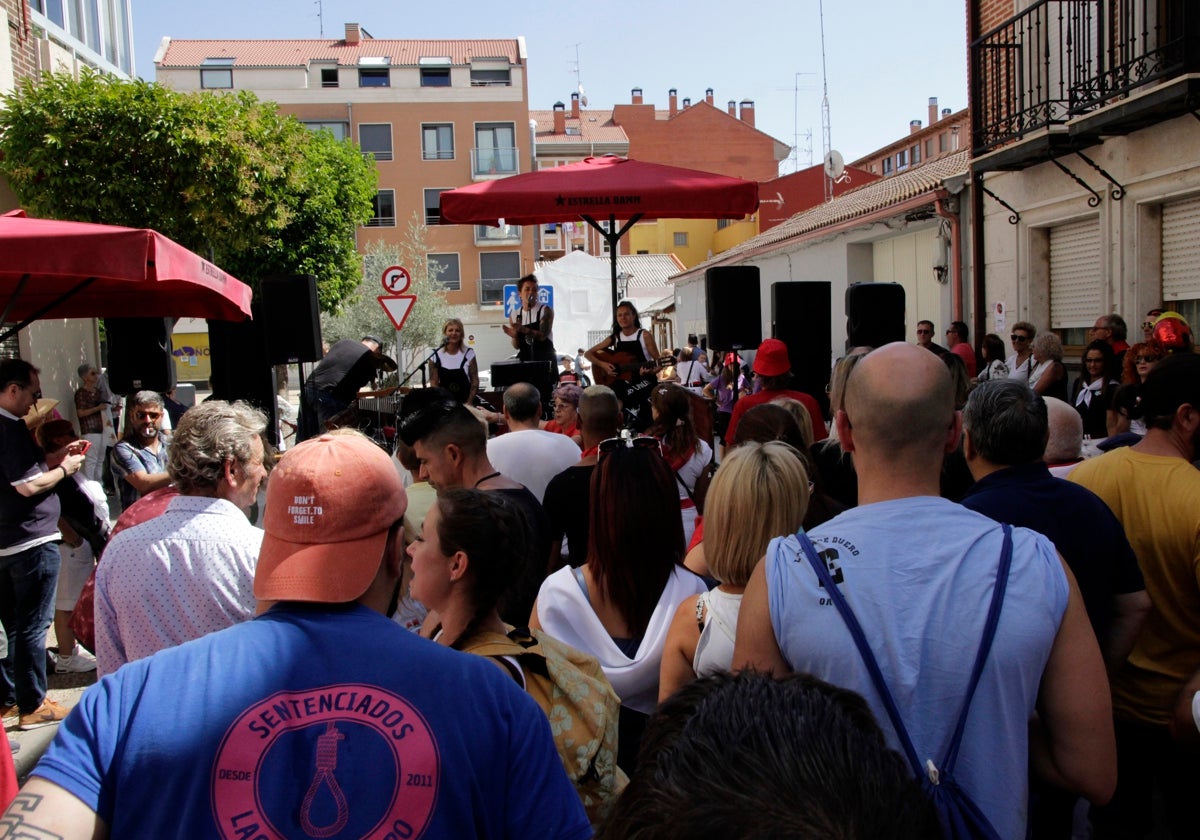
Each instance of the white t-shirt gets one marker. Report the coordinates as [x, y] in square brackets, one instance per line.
[532, 457]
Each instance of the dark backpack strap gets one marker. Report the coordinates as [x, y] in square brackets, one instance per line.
[864, 649]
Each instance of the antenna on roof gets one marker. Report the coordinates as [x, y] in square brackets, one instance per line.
[826, 143]
[578, 71]
[320, 16]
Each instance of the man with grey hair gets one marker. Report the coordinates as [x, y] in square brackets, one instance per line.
[919, 573]
[526, 453]
[1005, 429]
[1112, 328]
[139, 461]
[189, 571]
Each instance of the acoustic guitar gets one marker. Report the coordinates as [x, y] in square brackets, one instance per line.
[627, 365]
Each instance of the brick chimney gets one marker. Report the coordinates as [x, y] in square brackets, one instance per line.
[747, 109]
[574, 106]
[560, 118]
[914, 126]
[933, 110]
[731, 109]
[353, 33]
[672, 102]
[687, 102]
[636, 95]
[945, 113]
[708, 96]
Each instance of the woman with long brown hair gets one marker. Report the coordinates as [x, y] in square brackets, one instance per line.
[686, 453]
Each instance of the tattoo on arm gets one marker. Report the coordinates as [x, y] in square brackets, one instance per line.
[13, 823]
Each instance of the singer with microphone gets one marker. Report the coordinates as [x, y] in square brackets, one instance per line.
[454, 366]
[531, 326]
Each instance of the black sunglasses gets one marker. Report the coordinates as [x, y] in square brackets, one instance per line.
[1016, 337]
[628, 441]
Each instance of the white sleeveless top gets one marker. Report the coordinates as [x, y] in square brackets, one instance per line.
[714, 651]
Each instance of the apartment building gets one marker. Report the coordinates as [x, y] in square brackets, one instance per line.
[435, 114]
[1086, 149]
[947, 132]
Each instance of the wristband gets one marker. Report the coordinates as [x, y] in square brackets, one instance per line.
[64, 469]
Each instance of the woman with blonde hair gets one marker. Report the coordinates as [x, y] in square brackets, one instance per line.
[1048, 376]
[454, 366]
[759, 493]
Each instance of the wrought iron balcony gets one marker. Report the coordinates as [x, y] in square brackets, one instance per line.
[1059, 60]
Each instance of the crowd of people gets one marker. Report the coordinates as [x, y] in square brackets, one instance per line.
[685, 602]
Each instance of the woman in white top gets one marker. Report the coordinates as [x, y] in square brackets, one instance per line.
[686, 454]
[619, 604]
[454, 366]
[1021, 361]
[993, 356]
[760, 492]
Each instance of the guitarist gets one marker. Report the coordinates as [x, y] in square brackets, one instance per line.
[636, 345]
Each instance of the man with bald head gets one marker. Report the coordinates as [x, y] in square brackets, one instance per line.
[919, 572]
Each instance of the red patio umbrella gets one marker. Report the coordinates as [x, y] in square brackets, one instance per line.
[619, 188]
[57, 269]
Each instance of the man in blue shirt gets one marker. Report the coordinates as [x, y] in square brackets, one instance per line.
[320, 718]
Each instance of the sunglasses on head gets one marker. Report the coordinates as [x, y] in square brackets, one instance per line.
[629, 441]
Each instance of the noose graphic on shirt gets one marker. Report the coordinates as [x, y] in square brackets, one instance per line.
[327, 748]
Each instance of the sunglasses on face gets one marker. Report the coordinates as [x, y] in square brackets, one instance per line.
[147, 415]
[1094, 361]
[1016, 337]
[1142, 360]
[628, 442]
[924, 332]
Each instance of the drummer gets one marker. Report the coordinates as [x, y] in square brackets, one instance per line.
[454, 366]
[334, 383]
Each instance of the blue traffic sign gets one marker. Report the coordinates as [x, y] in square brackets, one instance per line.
[512, 301]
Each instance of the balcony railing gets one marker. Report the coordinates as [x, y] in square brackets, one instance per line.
[1060, 59]
[493, 161]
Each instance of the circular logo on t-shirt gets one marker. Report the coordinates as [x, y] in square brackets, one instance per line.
[342, 761]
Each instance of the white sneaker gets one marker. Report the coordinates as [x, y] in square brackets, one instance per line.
[78, 661]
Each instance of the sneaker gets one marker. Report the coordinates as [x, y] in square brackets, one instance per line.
[9, 714]
[47, 713]
[78, 661]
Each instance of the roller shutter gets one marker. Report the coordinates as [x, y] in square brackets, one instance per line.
[1181, 250]
[1075, 274]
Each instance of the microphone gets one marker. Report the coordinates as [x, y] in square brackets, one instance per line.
[445, 341]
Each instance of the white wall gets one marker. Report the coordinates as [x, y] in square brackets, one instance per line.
[58, 347]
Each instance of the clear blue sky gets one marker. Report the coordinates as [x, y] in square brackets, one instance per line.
[883, 59]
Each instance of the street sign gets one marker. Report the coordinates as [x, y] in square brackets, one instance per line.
[512, 301]
[397, 307]
[396, 280]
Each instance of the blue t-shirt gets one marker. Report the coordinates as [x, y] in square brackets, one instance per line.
[919, 574]
[314, 721]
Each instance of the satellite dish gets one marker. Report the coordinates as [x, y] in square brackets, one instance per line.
[583, 101]
[835, 165]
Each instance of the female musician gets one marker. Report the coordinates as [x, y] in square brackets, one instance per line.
[531, 328]
[454, 366]
[628, 344]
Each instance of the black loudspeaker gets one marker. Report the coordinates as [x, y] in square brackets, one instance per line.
[800, 318]
[734, 307]
[538, 374]
[139, 354]
[874, 314]
[292, 319]
[241, 369]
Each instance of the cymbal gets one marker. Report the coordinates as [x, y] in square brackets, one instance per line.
[386, 364]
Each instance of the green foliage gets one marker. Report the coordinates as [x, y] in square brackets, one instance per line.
[361, 314]
[225, 175]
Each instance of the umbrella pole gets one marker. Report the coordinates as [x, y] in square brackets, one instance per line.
[612, 236]
[36, 315]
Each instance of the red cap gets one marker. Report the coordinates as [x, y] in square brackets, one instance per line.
[330, 503]
[772, 358]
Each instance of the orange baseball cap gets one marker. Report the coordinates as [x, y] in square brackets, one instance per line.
[330, 503]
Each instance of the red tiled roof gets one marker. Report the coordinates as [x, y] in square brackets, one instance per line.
[298, 53]
[867, 199]
[593, 126]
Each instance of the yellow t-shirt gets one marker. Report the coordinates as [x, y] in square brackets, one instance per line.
[1157, 500]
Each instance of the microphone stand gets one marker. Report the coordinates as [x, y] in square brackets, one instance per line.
[421, 366]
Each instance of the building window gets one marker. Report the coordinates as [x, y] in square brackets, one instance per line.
[489, 78]
[437, 141]
[680, 239]
[433, 205]
[914, 154]
[887, 165]
[376, 139]
[502, 235]
[374, 77]
[216, 73]
[443, 268]
[435, 77]
[495, 149]
[901, 160]
[943, 142]
[337, 129]
[385, 209]
[495, 271]
[928, 149]
[723, 223]
[329, 77]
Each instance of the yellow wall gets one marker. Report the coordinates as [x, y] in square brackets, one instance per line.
[704, 240]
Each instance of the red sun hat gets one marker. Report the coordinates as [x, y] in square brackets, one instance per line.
[772, 358]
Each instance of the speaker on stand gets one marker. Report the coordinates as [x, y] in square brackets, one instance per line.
[139, 355]
[800, 318]
[733, 307]
[874, 314]
[241, 366]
